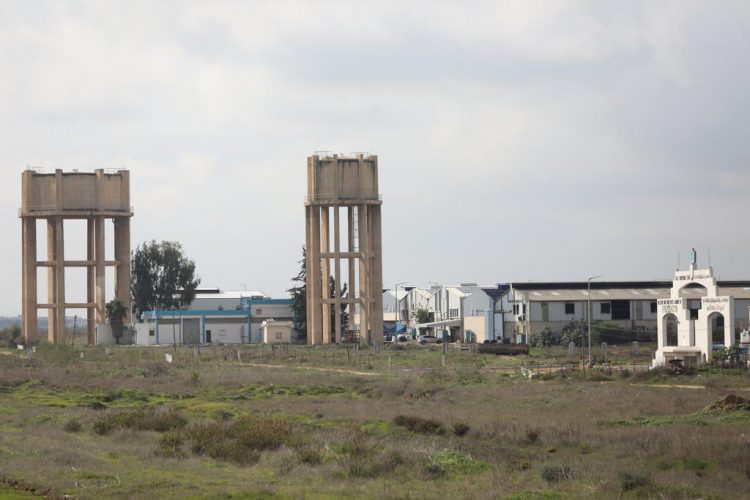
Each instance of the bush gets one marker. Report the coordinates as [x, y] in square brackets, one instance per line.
[727, 357]
[542, 338]
[242, 440]
[451, 462]
[10, 336]
[574, 332]
[310, 457]
[170, 444]
[73, 425]
[631, 481]
[461, 428]
[554, 473]
[418, 424]
[158, 419]
[531, 436]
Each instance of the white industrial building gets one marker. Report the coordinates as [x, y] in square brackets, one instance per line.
[466, 312]
[234, 320]
[631, 305]
[511, 312]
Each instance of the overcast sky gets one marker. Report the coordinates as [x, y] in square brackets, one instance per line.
[517, 140]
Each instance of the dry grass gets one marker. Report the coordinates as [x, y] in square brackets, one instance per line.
[209, 427]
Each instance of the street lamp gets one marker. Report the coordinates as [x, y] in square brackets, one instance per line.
[395, 309]
[439, 294]
[589, 311]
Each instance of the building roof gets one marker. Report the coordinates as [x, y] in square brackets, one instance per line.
[238, 294]
[622, 290]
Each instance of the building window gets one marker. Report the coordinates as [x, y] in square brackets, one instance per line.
[208, 336]
[570, 308]
[620, 309]
[515, 309]
[653, 307]
[453, 313]
[151, 333]
[278, 336]
[605, 308]
[259, 311]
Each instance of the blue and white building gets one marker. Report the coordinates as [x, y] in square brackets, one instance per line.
[222, 317]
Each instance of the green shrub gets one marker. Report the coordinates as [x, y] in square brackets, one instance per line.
[170, 444]
[418, 424]
[554, 473]
[531, 436]
[630, 481]
[543, 338]
[10, 336]
[242, 440]
[151, 418]
[452, 462]
[310, 457]
[576, 331]
[727, 357]
[73, 425]
[461, 428]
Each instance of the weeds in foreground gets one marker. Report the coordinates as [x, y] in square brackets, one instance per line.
[150, 418]
[241, 441]
[555, 473]
[443, 463]
[632, 480]
[419, 424]
[73, 425]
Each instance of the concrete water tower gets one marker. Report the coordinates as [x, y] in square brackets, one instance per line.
[343, 186]
[59, 196]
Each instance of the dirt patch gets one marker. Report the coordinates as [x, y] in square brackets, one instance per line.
[728, 404]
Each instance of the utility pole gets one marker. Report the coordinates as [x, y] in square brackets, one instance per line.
[589, 312]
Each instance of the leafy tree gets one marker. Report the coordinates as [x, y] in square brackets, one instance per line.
[577, 331]
[543, 338]
[423, 316]
[573, 332]
[162, 277]
[115, 313]
[10, 336]
[344, 308]
[298, 294]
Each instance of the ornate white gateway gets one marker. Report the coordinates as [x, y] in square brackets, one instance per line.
[691, 323]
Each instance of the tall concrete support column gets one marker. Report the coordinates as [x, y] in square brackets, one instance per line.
[352, 264]
[59, 279]
[122, 256]
[314, 278]
[91, 281]
[325, 266]
[337, 274]
[364, 271]
[29, 279]
[52, 279]
[100, 297]
[376, 273]
[308, 276]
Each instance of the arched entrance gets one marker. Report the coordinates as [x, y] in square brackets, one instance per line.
[670, 327]
[716, 329]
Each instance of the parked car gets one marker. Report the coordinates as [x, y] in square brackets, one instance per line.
[429, 339]
[402, 337]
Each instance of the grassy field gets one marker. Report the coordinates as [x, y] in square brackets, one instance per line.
[400, 422]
